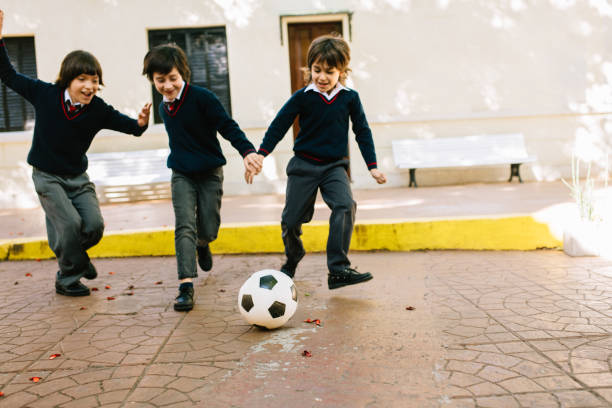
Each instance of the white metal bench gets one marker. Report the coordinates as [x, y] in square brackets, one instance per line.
[479, 150]
[130, 176]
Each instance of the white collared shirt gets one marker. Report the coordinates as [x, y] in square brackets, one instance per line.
[69, 99]
[178, 96]
[330, 96]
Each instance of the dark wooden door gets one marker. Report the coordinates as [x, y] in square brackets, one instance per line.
[300, 37]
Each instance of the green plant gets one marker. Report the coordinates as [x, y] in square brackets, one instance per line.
[583, 194]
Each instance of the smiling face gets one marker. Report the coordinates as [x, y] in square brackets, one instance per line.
[324, 77]
[83, 88]
[169, 85]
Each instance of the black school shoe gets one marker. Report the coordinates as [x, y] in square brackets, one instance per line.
[348, 276]
[184, 301]
[74, 289]
[288, 269]
[91, 272]
[204, 258]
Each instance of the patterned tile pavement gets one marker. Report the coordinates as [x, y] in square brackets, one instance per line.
[488, 329]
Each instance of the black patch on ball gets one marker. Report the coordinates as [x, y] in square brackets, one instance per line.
[293, 293]
[267, 282]
[277, 309]
[247, 302]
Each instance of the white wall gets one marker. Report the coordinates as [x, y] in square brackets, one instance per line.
[423, 68]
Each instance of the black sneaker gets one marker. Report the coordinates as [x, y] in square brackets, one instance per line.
[204, 258]
[74, 289]
[288, 269]
[91, 272]
[348, 276]
[184, 301]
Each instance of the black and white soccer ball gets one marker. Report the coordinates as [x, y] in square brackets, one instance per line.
[268, 299]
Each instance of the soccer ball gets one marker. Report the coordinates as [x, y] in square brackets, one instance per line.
[267, 299]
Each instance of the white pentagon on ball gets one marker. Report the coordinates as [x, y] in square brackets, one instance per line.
[267, 299]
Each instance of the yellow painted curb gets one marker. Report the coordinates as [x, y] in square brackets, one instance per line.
[507, 233]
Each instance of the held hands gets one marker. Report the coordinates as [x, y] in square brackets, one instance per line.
[143, 116]
[378, 176]
[253, 163]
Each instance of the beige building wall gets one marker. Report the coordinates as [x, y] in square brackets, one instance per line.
[423, 68]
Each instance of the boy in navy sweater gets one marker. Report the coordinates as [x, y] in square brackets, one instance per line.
[68, 116]
[321, 147]
[192, 116]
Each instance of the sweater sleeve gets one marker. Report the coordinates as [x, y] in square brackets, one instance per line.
[23, 85]
[116, 120]
[226, 126]
[363, 134]
[281, 124]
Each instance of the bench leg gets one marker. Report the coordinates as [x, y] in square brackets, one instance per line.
[412, 178]
[515, 171]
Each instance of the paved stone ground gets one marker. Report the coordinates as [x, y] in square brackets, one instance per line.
[489, 329]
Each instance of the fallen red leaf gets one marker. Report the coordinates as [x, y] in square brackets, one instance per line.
[111, 273]
[1, 394]
[52, 356]
[306, 353]
[107, 287]
[28, 274]
[94, 289]
[409, 307]
[35, 379]
[315, 321]
[159, 282]
[82, 308]
[110, 298]
[37, 259]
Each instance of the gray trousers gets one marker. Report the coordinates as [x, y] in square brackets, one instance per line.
[303, 181]
[73, 217]
[197, 210]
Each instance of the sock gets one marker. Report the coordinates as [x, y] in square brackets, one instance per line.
[185, 285]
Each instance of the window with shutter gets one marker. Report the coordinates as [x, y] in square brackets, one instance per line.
[15, 112]
[206, 50]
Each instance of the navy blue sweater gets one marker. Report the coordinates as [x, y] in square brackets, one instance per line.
[192, 128]
[323, 135]
[60, 141]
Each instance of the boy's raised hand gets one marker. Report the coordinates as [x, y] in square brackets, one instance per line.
[143, 116]
[378, 176]
[253, 163]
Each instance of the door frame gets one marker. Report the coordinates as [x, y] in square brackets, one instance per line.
[342, 16]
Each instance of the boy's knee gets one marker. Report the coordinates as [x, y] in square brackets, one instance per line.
[93, 233]
[345, 206]
[70, 228]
